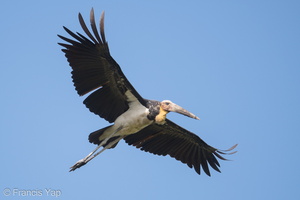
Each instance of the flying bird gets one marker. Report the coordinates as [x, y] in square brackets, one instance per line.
[140, 122]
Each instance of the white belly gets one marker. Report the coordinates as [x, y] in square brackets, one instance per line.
[132, 121]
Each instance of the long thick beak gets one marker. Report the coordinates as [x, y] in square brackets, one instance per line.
[178, 109]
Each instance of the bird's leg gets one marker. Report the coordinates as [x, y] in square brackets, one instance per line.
[106, 139]
[83, 161]
[106, 147]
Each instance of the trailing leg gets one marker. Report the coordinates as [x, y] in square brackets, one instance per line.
[90, 156]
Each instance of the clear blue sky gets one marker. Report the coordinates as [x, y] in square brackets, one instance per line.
[235, 64]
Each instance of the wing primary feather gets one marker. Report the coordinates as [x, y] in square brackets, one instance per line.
[85, 39]
[231, 148]
[64, 45]
[74, 36]
[85, 29]
[204, 162]
[224, 152]
[69, 40]
[102, 27]
[213, 162]
[197, 161]
[216, 153]
[93, 25]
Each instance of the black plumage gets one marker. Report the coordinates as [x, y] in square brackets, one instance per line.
[179, 143]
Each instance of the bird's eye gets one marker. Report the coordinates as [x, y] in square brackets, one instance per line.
[167, 103]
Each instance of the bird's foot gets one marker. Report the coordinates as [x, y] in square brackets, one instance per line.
[79, 164]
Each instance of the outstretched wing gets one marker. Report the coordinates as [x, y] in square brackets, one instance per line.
[171, 139]
[93, 69]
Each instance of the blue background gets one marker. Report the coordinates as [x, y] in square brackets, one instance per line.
[235, 64]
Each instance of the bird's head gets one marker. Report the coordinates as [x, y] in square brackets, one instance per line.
[169, 106]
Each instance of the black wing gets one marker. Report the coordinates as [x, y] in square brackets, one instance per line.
[171, 139]
[94, 68]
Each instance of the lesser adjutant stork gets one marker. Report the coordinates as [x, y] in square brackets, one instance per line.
[140, 122]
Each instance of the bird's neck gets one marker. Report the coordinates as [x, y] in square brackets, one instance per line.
[161, 117]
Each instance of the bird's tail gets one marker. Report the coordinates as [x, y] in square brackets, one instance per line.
[94, 137]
